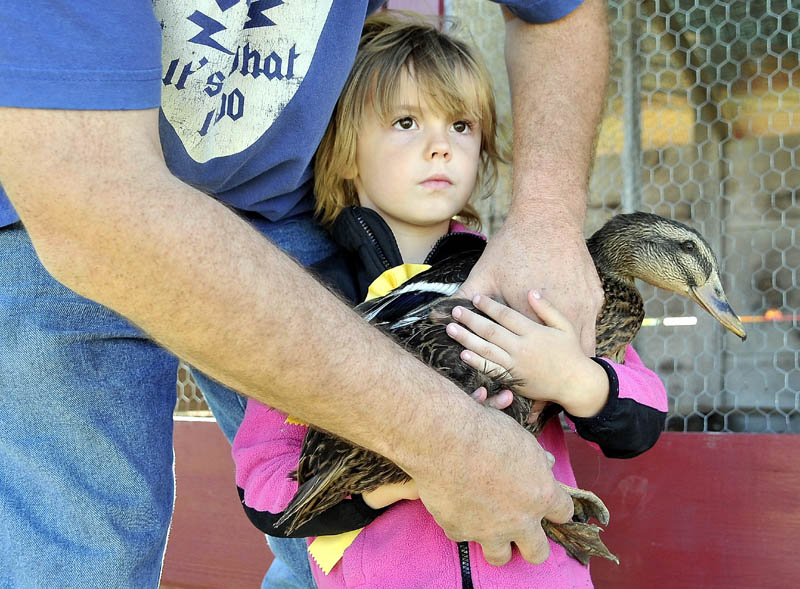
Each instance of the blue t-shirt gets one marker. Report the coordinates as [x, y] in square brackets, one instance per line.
[246, 87]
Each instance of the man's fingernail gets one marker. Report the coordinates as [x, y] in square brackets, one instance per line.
[476, 299]
[457, 312]
[537, 294]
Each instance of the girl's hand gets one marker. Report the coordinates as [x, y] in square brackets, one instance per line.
[548, 358]
[500, 401]
[391, 493]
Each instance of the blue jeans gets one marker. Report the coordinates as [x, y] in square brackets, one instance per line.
[86, 402]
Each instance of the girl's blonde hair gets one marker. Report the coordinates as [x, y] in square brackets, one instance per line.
[394, 44]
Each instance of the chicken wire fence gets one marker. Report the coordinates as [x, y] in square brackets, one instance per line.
[702, 125]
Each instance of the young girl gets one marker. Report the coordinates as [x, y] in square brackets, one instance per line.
[411, 141]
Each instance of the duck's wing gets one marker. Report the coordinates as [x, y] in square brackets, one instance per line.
[331, 469]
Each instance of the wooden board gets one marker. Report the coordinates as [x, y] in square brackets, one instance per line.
[211, 543]
[698, 510]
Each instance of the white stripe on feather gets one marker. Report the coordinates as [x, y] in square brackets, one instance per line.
[442, 288]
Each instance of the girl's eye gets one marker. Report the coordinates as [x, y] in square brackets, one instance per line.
[462, 126]
[406, 123]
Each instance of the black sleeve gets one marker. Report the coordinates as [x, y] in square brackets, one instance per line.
[624, 428]
[345, 516]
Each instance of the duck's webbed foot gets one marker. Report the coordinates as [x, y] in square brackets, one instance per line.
[587, 505]
[580, 538]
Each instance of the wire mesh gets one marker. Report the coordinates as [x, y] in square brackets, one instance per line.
[702, 125]
[191, 402]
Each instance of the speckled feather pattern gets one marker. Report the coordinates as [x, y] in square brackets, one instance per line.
[619, 320]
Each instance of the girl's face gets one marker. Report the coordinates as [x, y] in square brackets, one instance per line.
[419, 168]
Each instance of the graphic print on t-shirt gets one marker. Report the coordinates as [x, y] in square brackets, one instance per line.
[231, 66]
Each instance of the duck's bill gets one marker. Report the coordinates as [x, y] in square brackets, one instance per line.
[712, 298]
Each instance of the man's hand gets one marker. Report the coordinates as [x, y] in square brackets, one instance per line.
[552, 260]
[463, 496]
[557, 74]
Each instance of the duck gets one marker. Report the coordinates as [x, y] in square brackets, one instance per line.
[663, 252]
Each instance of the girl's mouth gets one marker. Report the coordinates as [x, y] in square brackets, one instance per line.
[437, 182]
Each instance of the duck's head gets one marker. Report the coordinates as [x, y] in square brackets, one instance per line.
[667, 254]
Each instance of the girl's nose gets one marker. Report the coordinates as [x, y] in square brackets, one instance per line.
[439, 145]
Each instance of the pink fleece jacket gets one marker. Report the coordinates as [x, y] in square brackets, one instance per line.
[404, 547]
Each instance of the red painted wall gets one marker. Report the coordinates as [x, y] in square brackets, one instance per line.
[421, 6]
[211, 542]
[698, 510]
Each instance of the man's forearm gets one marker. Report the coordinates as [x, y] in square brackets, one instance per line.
[208, 287]
[558, 74]
[108, 220]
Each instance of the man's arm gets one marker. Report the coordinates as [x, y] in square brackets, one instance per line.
[109, 221]
[558, 74]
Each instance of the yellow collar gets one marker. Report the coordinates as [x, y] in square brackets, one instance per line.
[392, 278]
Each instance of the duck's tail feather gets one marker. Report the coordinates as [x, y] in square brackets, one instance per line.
[314, 496]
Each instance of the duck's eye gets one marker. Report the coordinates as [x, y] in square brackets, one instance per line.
[688, 246]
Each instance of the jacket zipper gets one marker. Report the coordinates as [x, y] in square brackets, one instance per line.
[466, 573]
[435, 245]
[463, 547]
[371, 235]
